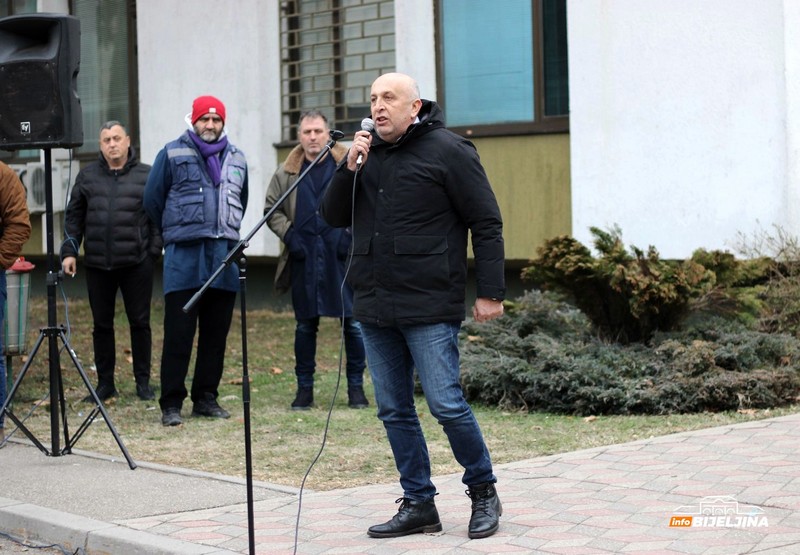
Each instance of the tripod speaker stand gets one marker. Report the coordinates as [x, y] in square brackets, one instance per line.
[53, 333]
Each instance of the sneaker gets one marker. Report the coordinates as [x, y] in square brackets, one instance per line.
[304, 399]
[208, 406]
[171, 416]
[356, 398]
[104, 393]
[145, 392]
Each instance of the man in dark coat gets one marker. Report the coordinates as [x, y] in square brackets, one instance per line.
[120, 245]
[412, 192]
[313, 258]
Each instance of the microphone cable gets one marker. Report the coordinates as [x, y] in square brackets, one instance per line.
[326, 429]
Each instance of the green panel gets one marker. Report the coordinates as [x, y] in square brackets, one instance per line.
[33, 246]
[531, 179]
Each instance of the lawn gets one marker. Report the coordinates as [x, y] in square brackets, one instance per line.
[285, 442]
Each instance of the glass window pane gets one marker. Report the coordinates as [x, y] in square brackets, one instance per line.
[556, 82]
[103, 75]
[487, 61]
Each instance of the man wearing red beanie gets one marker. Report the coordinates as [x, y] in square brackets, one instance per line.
[197, 191]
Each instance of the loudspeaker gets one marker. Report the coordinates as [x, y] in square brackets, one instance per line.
[39, 61]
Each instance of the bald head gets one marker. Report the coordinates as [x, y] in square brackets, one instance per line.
[395, 103]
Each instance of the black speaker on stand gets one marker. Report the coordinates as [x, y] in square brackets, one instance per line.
[40, 108]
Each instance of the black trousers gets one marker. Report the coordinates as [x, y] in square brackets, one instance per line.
[211, 316]
[136, 285]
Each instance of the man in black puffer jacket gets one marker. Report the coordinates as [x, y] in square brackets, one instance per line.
[120, 245]
[412, 193]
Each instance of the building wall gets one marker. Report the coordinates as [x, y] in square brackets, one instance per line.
[530, 176]
[684, 123]
[190, 50]
[234, 54]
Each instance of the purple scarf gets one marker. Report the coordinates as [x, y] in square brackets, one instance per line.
[209, 152]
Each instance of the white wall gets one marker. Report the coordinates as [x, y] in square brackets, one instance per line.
[228, 50]
[232, 50]
[791, 31]
[415, 45]
[681, 132]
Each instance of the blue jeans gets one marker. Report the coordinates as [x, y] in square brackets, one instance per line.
[393, 353]
[305, 352]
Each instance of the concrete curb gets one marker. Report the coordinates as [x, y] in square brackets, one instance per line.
[44, 525]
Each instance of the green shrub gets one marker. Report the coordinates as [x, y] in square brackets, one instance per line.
[627, 297]
[542, 356]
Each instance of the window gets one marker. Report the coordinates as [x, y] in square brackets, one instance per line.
[503, 66]
[331, 51]
[17, 7]
[108, 68]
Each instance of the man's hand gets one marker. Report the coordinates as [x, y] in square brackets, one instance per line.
[69, 265]
[487, 309]
[361, 143]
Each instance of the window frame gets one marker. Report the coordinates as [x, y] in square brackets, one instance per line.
[344, 114]
[541, 124]
[132, 125]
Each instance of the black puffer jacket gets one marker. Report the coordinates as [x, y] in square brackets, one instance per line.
[416, 201]
[105, 213]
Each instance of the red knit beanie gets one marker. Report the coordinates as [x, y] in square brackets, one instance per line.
[203, 105]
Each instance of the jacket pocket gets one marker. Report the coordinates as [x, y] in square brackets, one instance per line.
[236, 170]
[187, 172]
[190, 209]
[360, 276]
[420, 244]
[235, 211]
[421, 262]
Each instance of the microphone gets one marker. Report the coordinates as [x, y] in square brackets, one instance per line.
[366, 125]
[336, 134]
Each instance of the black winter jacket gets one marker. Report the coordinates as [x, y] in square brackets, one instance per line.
[416, 200]
[105, 213]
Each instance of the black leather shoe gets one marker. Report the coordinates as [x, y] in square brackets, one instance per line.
[413, 517]
[304, 399]
[209, 407]
[356, 398]
[104, 393]
[145, 392]
[486, 511]
[171, 416]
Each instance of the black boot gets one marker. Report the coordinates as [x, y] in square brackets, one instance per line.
[486, 510]
[208, 406]
[105, 391]
[304, 399]
[356, 398]
[412, 517]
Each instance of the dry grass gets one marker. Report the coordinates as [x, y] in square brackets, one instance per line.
[284, 442]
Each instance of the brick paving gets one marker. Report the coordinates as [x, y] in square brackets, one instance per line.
[615, 499]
